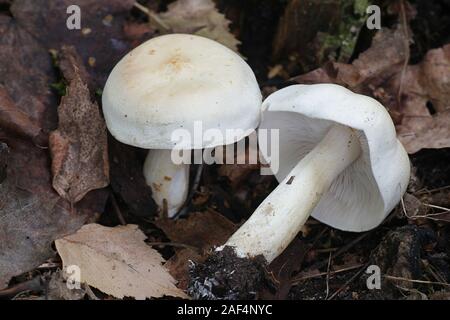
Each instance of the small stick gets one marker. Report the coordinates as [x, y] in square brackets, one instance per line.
[117, 210]
[34, 284]
[347, 282]
[152, 16]
[318, 275]
[90, 293]
[328, 276]
[417, 281]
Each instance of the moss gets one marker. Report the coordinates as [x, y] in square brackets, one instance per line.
[339, 45]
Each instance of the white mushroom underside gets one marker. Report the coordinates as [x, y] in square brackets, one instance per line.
[282, 214]
[353, 191]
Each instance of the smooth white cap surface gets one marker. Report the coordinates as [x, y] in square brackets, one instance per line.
[171, 81]
[363, 194]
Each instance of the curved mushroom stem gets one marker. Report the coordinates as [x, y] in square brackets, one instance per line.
[282, 214]
[169, 181]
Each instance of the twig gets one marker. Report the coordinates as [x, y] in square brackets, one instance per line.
[430, 216]
[342, 250]
[348, 282]
[152, 16]
[90, 293]
[407, 53]
[117, 209]
[437, 207]
[328, 276]
[425, 190]
[417, 281]
[34, 284]
[318, 275]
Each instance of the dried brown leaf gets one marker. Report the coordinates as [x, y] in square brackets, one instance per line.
[178, 265]
[202, 230]
[202, 18]
[404, 90]
[15, 121]
[118, 262]
[79, 145]
[32, 214]
[46, 21]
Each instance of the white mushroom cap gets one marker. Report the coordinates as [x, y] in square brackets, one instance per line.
[367, 190]
[171, 81]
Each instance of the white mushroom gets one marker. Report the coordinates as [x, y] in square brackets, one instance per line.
[340, 161]
[169, 83]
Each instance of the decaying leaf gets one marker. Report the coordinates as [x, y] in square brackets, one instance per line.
[118, 262]
[97, 39]
[201, 230]
[32, 215]
[26, 71]
[15, 121]
[406, 91]
[202, 18]
[178, 265]
[79, 145]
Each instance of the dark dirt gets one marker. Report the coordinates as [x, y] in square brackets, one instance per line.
[225, 276]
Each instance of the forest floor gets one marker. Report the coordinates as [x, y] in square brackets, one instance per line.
[46, 195]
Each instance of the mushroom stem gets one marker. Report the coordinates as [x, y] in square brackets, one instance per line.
[169, 181]
[282, 214]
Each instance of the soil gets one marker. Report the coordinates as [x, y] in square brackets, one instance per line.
[225, 276]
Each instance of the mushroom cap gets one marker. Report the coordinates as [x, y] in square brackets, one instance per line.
[366, 191]
[170, 82]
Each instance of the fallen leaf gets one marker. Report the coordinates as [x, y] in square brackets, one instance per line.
[71, 65]
[202, 18]
[26, 71]
[118, 262]
[426, 84]
[46, 21]
[178, 265]
[15, 121]
[79, 145]
[406, 91]
[32, 215]
[201, 230]
[137, 32]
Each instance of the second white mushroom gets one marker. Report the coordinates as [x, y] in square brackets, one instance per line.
[340, 161]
